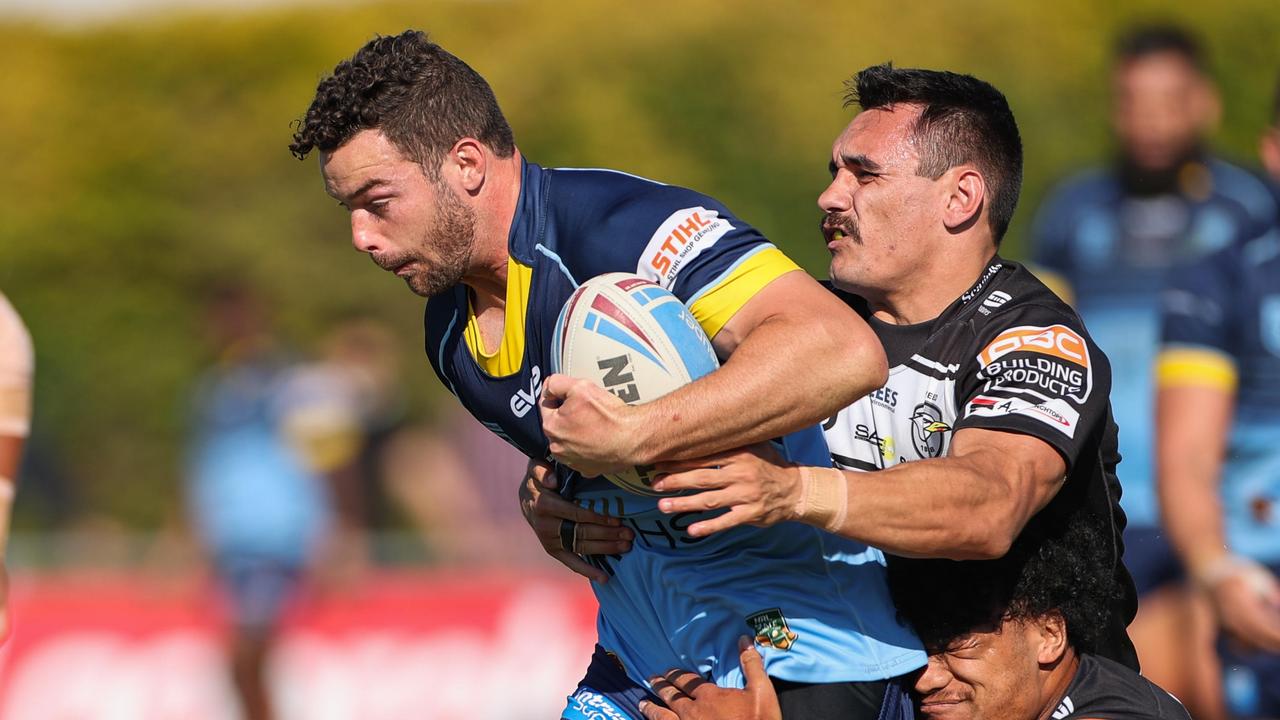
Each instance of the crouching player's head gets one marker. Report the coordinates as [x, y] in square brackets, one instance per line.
[1004, 636]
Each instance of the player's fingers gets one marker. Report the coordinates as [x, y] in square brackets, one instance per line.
[668, 692]
[698, 502]
[707, 461]
[557, 387]
[652, 711]
[735, 517]
[544, 474]
[552, 505]
[686, 682]
[580, 566]
[703, 479]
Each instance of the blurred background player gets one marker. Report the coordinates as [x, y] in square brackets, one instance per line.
[17, 367]
[1218, 425]
[1104, 240]
[267, 436]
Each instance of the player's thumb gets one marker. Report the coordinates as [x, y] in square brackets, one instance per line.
[751, 662]
[555, 388]
[651, 711]
[545, 475]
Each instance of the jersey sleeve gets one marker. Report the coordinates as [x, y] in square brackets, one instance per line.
[689, 244]
[1195, 325]
[17, 367]
[1036, 372]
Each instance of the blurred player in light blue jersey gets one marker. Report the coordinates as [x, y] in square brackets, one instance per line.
[1219, 439]
[413, 144]
[1105, 239]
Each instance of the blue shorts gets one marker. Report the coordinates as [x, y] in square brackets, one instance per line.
[1150, 558]
[607, 693]
[259, 589]
[1250, 680]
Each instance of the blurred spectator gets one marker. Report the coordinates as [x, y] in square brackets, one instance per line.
[455, 481]
[17, 366]
[264, 434]
[1105, 240]
[1219, 448]
[1269, 145]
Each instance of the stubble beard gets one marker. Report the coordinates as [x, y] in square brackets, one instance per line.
[452, 235]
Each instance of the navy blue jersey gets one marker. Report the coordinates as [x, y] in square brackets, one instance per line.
[673, 601]
[1108, 250]
[1221, 329]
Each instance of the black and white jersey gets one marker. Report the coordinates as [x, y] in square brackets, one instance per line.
[1106, 690]
[1007, 355]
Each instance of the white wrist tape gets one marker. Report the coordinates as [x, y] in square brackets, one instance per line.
[824, 497]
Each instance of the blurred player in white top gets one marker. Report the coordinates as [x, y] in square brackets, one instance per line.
[17, 366]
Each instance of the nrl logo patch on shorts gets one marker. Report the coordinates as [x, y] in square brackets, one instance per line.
[771, 629]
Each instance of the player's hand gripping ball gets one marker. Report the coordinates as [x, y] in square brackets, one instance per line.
[634, 339]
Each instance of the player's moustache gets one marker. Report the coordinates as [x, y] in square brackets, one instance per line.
[843, 223]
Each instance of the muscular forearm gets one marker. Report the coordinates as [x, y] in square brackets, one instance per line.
[1192, 425]
[933, 508]
[767, 388]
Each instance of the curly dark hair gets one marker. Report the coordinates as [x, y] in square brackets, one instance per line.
[964, 120]
[423, 98]
[1061, 565]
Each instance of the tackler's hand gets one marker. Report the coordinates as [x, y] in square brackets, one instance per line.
[691, 697]
[565, 530]
[589, 429]
[755, 484]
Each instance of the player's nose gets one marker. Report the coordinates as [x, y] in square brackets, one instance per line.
[834, 199]
[933, 677]
[363, 238]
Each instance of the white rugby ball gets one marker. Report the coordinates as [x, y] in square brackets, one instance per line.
[636, 340]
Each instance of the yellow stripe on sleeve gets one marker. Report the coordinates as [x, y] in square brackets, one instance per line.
[1198, 367]
[715, 306]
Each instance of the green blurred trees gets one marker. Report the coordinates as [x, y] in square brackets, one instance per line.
[143, 158]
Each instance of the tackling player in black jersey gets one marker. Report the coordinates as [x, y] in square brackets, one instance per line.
[995, 418]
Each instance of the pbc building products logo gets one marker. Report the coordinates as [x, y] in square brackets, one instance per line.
[771, 629]
[680, 239]
[1063, 367]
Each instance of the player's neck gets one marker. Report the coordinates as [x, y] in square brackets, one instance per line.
[1058, 680]
[927, 291]
[487, 277]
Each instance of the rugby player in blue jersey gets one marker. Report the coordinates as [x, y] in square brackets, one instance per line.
[1105, 238]
[1218, 440]
[412, 143]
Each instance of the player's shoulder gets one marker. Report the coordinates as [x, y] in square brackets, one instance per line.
[1015, 296]
[602, 220]
[1082, 188]
[1254, 194]
[593, 198]
[16, 351]
[1103, 688]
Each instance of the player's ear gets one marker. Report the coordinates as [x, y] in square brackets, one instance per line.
[966, 192]
[1051, 631]
[467, 161]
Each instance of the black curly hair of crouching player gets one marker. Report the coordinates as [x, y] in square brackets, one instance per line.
[965, 120]
[420, 96]
[1059, 567]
